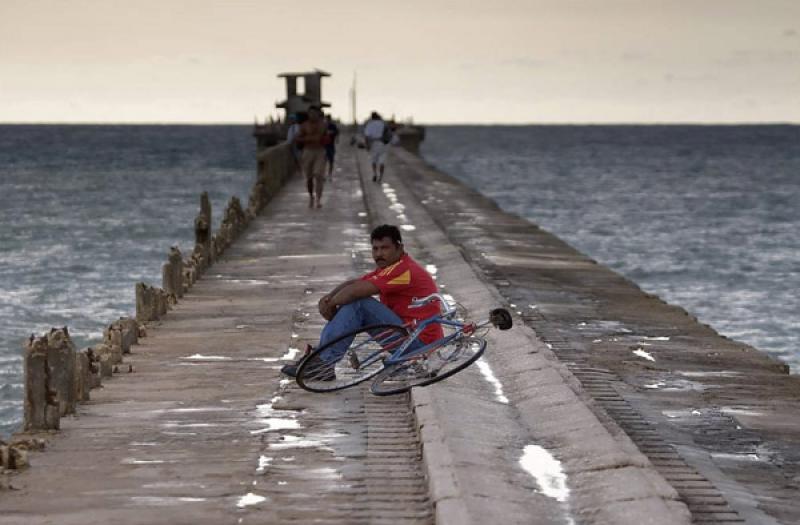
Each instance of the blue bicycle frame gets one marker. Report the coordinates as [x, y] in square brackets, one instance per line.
[402, 353]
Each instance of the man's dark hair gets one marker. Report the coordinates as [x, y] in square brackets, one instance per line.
[386, 230]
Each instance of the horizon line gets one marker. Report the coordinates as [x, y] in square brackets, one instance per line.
[458, 123]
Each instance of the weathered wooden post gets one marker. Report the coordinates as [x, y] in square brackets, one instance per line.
[83, 377]
[142, 303]
[103, 360]
[41, 402]
[148, 303]
[95, 373]
[202, 232]
[167, 276]
[113, 338]
[112, 344]
[129, 329]
[49, 380]
[61, 364]
[190, 271]
[217, 244]
[162, 302]
[172, 273]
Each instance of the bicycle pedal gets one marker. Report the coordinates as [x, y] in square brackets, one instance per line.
[354, 362]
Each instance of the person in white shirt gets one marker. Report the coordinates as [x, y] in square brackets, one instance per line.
[375, 132]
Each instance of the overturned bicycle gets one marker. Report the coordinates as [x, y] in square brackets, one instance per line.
[393, 355]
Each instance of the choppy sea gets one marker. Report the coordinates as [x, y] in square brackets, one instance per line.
[88, 211]
[704, 216]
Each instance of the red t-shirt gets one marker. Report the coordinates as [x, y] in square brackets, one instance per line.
[401, 283]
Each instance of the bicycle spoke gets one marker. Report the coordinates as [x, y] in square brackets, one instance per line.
[349, 359]
[439, 364]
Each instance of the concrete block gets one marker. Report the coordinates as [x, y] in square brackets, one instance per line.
[600, 488]
[451, 512]
[17, 458]
[13, 457]
[649, 511]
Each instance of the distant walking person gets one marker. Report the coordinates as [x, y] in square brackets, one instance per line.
[330, 143]
[378, 135]
[312, 161]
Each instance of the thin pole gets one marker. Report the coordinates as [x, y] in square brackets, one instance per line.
[353, 100]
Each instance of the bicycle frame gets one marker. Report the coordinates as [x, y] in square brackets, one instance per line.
[401, 353]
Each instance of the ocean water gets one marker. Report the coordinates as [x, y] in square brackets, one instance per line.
[88, 211]
[706, 217]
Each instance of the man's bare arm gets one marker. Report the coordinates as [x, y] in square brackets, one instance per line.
[344, 294]
[333, 292]
[354, 291]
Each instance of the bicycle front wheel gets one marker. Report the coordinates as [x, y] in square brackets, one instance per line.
[349, 359]
[439, 364]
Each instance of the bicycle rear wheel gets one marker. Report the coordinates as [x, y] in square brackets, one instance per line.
[358, 358]
[439, 364]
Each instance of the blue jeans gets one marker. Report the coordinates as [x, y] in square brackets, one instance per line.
[350, 317]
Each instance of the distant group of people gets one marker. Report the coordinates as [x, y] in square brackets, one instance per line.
[313, 138]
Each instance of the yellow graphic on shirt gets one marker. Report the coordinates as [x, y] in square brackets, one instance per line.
[386, 271]
[403, 278]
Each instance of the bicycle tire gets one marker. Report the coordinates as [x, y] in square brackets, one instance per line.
[402, 377]
[316, 375]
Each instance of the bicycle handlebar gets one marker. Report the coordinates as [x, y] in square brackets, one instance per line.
[446, 307]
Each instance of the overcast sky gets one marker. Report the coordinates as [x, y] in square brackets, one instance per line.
[502, 61]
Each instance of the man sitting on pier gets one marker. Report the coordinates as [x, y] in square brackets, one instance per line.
[398, 279]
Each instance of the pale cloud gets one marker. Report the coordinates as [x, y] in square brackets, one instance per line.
[524, 62]
[760, 58]
[635, 56]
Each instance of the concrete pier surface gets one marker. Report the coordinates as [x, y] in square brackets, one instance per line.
[602, 405]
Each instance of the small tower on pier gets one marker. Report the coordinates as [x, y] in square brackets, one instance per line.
[303, 90]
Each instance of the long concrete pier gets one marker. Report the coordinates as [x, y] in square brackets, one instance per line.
[603, 404]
